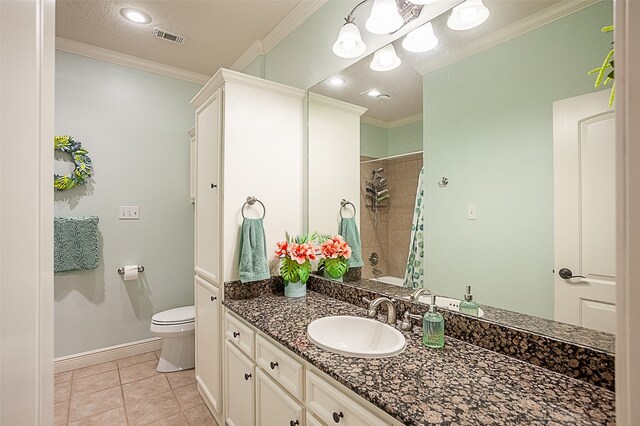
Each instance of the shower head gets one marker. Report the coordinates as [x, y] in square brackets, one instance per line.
[378, 171]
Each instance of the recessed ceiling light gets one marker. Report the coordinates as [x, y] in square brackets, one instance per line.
[373, 93]
[135, 15]
[336, 81]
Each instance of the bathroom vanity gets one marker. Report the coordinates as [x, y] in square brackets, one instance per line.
[273, 365]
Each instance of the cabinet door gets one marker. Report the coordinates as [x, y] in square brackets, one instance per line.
[239, 387]
[207, 221]
[274, 406]
[208, 350]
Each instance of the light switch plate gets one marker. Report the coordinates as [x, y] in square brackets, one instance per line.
[129, 213]
[472, 212]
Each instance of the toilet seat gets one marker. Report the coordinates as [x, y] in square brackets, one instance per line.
[177, 316]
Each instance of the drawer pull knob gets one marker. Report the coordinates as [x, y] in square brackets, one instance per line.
[273, 365]
[292, 423]
[247, 376]
[213, 298]
[213, 186]
[236, 334]
[337, 416]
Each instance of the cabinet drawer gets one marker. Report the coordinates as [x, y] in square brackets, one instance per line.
[312, 421]
[332, 406]
[274, 406]
[280, 366]
[240, 334]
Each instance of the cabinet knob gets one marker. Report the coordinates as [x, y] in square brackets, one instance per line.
[247, 376]
[213, 185]
[213, 298]
[236, 334]
[337, 416]
[273, 365]
[294, 423]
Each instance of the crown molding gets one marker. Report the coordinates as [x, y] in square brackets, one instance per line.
[530, 23]
[290, 22]
[254, 51]
[297, 16]
[334, 103]
[229, 76]
[95, 52]
[405, 120]
[374, 122]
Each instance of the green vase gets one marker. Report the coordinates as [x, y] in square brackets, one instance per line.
[296, 289]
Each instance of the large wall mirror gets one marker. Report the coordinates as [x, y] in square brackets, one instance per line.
[486, 161]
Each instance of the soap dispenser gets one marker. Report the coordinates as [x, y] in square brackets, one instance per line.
[468, 306]
[433, 327]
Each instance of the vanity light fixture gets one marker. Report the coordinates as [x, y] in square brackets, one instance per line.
[385, 59]
[384, 18]
[387, 16]
[468, 15]
[336, 81]
[349, 43]
[135, 15]
[422, 39]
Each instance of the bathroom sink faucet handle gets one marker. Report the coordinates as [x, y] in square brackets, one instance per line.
[406, 324]
[337, 416]
[416, 294]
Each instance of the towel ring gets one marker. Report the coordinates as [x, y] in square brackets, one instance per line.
[344, 203]
[251, 200]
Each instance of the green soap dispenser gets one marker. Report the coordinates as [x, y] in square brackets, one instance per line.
[433, 327]
[468, 306]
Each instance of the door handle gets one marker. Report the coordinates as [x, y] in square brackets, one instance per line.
[566, 274]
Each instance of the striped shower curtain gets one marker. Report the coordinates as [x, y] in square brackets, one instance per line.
[414, 276]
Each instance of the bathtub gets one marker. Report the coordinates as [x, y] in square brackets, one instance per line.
[390, 280]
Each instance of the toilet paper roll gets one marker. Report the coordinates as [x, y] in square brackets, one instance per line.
[130, 272]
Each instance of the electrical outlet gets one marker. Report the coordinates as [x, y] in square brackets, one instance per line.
[129, 213]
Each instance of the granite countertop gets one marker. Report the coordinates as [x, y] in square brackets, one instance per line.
[460, 383]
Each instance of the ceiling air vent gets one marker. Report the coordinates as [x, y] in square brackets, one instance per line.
[166, 35]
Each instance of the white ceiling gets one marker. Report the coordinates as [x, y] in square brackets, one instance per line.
[218, 31]
[404, 84]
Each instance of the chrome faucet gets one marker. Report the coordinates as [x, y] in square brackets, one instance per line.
[416, 294]
[373, 309]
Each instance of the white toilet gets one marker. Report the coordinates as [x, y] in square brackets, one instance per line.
[177, 329]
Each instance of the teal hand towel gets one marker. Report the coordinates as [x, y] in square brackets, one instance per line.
[253, 252]
[349, 231]
[75, 243]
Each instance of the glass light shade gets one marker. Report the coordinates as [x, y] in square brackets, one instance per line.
[422, 39]
[349, 43]
[384, 18]
[468, 15]
[385, 59]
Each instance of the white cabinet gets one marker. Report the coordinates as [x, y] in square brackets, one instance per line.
[208, 188]
[192, 164]
[239, 386]
[274, 406]
[208, 343]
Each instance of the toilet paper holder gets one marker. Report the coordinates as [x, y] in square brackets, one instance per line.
[140, 269]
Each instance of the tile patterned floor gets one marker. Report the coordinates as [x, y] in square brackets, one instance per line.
[129, 391]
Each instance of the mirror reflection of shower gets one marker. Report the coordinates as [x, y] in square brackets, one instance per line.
[377, 193]
[385, 219]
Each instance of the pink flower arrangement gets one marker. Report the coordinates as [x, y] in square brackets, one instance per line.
[336, 253]
[296, 255]
[335, 247]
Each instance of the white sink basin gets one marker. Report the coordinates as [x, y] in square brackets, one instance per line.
[355, 336]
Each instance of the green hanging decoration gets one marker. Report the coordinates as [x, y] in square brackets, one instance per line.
[604, 75]
[83, 167]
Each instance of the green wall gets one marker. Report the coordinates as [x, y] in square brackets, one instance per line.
[489, 130]
[134, 125]
[376, 141]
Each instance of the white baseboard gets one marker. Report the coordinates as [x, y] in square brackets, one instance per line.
[112, 353]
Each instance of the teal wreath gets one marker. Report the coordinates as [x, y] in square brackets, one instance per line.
[83, 168]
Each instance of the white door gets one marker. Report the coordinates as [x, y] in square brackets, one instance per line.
[584, 211]
[239, 398]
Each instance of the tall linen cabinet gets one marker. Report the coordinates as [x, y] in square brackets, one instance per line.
[249, 142]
